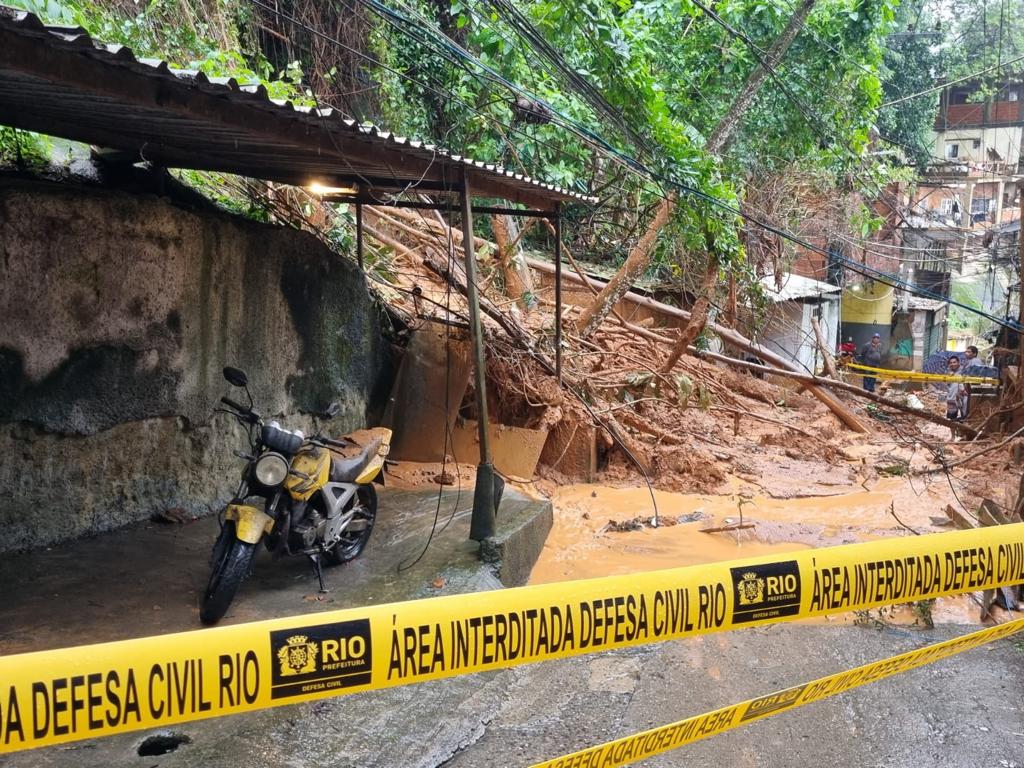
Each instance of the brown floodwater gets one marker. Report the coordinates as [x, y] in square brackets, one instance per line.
[579, 546]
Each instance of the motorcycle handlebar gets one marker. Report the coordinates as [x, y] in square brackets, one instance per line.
[247, 414]
[232, 404]
[343, 443]
[339, 443]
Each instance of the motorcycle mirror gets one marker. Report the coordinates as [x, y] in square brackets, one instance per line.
[236, 377]
[332, 410]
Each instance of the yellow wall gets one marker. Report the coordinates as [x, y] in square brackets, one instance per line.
[871, 305]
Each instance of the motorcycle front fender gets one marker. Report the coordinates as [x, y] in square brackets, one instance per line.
[250, 523]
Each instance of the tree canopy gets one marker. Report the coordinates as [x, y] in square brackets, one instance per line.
[614, 97]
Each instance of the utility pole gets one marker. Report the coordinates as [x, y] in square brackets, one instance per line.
[485, 497]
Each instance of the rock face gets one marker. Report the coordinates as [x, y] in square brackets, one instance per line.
[118, 313]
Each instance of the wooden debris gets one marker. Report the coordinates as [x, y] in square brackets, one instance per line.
[727, 528]
[960, 520]
[990, 514]
[735, 339]
[807, 378]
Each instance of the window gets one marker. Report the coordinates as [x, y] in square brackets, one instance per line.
[952, 151]
[975, 143]
[982, 205]
[1013, 96]
[946, 206]
[933, 257]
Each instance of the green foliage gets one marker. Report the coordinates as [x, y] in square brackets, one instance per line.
[960, 319]
[668, 71]
[216, 189]
[24, 148]
[982, 35]
[912, 64]
[671, 73]
[865, 221]
[183, 32]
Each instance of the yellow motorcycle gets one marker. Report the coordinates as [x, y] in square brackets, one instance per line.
[316, 501]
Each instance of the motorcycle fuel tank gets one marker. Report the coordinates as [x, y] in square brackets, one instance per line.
[309, 471]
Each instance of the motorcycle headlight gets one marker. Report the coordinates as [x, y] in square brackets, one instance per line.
[271, 469]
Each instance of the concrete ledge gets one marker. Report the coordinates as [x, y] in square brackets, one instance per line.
[523, 526]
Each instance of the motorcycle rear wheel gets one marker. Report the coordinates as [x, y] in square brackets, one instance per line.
[353, 542]
[229, 566]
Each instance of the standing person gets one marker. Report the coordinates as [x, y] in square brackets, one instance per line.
[956, 394]
[871, 355]
[971, 361]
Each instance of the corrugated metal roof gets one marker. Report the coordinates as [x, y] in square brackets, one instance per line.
[58, 80]
[919, 302]
[796, 287]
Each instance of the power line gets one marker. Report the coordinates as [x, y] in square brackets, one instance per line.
[526, 30]
[631, 162]
[864, 270]
[448, 95]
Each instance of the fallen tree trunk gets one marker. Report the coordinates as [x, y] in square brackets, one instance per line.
[698, 316]
[734, 338]
[517, 276]
[723, 133]
[637, 261]
[515, 331]
[812, 380]
[826, 354]
[640, 256]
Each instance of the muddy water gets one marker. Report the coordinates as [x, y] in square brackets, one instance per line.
[578, 548]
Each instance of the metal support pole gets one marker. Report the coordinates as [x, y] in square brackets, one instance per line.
[558, 292]
[359, 234]
[1020, 297]
[484, 501]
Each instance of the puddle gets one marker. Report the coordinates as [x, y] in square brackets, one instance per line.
[162, 743]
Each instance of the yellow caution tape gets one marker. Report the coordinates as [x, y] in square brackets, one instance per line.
[639, 746]
[49, 697]
[889, 373]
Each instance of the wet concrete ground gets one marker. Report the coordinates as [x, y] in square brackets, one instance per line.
[82, 592]
[964, 712]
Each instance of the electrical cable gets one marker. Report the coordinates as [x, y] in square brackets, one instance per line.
[945, 85]
[638, 166]
[444, 453]
[451, 96]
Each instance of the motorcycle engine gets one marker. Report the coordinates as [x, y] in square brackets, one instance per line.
[307, 530]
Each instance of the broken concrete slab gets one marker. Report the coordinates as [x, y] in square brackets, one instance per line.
[571, 449]
[515, 451]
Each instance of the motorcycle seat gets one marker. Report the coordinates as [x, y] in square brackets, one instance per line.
[346, 470]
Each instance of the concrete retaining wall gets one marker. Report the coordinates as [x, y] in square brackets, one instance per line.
[118, 313]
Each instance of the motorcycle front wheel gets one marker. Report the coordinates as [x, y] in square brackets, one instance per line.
[353, 539]
[229, 566]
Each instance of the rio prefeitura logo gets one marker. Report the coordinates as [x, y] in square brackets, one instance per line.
[308, 660]
[765, 591]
